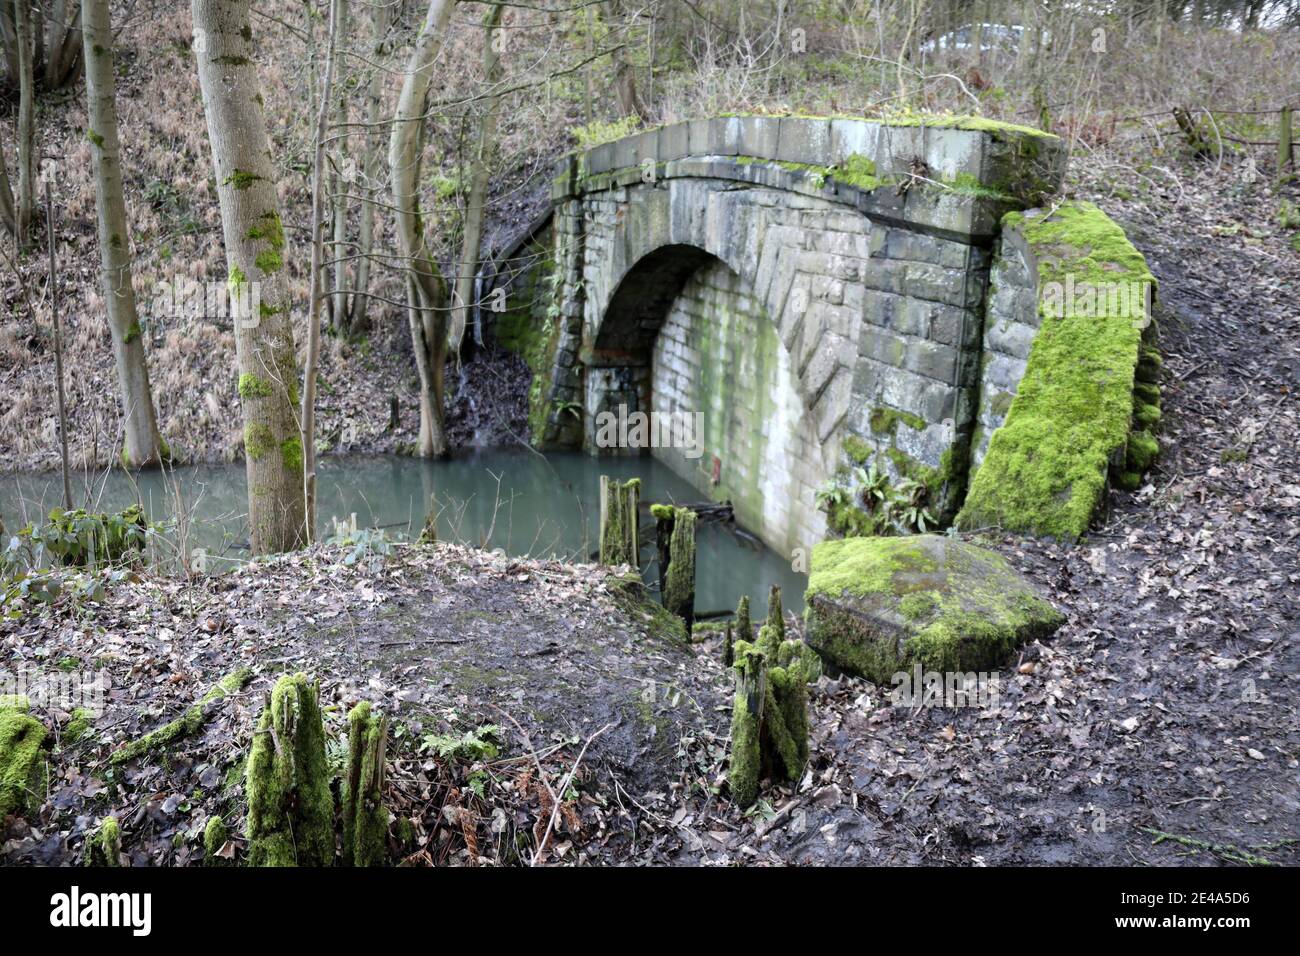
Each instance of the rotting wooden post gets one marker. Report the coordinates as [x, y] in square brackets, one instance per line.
[631, 523]
[664, 516]
[394, 413]
[679, 588]
[744, 627]
[775, 613]
[728, 649]
[365, 819]
[607, 540]
[746, 727]
[619, 541]
[1285, 164]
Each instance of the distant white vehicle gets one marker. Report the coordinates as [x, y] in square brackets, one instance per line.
[994, 37]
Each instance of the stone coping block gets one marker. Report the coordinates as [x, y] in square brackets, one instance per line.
[878, 606]
[973, 170]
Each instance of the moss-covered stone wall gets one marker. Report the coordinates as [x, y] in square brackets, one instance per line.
[718, 354]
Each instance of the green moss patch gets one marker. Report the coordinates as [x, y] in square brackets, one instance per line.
[878, 606]
[530, 327]
[104, 845]
[251, 386]
[188, 723]
[22, 762]
[1047, 467]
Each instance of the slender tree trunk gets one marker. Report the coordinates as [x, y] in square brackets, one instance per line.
[340, 186]
[425, 288]
[142, 445]
[63, 42]
[317, 280]
[26, 147]
[57, 313]
[9, 40]
[254, 238]
[8, 214]
[370, 172]
[629, 102]
[476, 201]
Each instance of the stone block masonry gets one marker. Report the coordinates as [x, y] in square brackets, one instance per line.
[815, 287]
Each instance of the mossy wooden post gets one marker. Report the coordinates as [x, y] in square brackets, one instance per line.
[290, 807]
[769, 719]
[619, 502]
[744, 627]
[679, 589]
[365, 818]
[728, 648]
[746, 726]
[1284, 144]
[775, 613]
[664, 516]
[429, 533]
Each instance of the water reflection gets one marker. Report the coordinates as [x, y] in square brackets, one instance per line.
[508, 498]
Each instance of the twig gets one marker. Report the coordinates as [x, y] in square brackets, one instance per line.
[564, 785]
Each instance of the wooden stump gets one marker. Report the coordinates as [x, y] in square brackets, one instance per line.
[619, 501]
[769, 718]
[365, 819]
[679, 586]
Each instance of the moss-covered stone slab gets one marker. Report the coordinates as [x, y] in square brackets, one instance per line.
[879, 606]
[1077, 421]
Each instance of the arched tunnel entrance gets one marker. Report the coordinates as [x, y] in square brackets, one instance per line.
[687, 342]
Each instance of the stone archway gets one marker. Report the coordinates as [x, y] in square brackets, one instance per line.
[686, 335]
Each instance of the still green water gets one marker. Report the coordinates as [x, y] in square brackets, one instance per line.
[508, 498]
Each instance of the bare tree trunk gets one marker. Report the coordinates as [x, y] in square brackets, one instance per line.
[57, 315]
[8, 215]
[370, 172]
[317, 280]
[476, 201]
[254, 238]
[629, 103]
[63, 42]
[142, 445]
[9, 40]
[425, 288]
[26, 146]
[339, 185]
